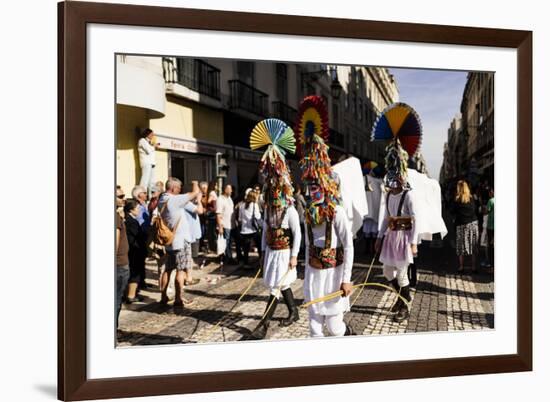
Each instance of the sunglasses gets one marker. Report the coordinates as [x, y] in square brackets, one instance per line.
[121, 196]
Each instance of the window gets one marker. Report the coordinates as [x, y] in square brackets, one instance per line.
[245, 72]
[310, 89]
[360, 81]
[281, 82]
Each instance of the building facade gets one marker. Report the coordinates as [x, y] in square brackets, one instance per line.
[469, 150]
[211, 106]
[478, 122]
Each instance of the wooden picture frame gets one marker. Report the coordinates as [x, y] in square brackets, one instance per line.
[73, 18]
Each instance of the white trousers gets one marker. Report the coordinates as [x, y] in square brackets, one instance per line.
[277, 292]
[147, 177]
[335, 324]
[391, 272]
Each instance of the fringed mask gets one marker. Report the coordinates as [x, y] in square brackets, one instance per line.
[279, 138]
[321, 187]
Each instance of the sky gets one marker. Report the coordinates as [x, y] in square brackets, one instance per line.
[436, 96]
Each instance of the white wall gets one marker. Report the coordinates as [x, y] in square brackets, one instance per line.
[28, 336]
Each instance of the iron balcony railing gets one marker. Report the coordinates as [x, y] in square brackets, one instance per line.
[284, 112]
[246, 97]
[197, 75]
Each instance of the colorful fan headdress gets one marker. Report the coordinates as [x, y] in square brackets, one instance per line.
[400, 125]
[279, 138]
[312, 132]
[312, 119]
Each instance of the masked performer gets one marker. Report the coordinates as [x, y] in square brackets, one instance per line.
[329, 240]
[398, 236]
[281, 225]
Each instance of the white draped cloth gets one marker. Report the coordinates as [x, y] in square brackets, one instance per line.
[427, 205]
[321, 282]
[354, 200]
[276, 262]
[370, 224]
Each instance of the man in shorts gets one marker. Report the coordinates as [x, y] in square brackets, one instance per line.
[179, 252]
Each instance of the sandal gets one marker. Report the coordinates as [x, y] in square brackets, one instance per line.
[192, 282]
[183, 302]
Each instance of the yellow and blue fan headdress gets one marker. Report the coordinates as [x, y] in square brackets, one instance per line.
[279, 139]
[273, 132]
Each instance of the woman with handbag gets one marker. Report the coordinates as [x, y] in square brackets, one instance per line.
[249, 218]
[466, 222]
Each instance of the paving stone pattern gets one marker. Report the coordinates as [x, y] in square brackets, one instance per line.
[442, 301]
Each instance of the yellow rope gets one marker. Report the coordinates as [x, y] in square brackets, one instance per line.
[364, 282]
[338, 293]
[234, 305]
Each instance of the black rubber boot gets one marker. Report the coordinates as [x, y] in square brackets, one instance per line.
[398, 303]
[349, 330]
[403, 312]
[413, 277]
[293, 315]
[261, 329]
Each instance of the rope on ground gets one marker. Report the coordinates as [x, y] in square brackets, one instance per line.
[235, 304]
[339, 293]
[364, 282]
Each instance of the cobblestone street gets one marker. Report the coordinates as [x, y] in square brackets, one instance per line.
[442, 301]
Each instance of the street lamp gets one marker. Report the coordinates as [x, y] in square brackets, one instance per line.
[335, 87]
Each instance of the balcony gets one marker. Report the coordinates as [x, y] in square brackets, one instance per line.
[336, 138]
[484, 140]
[246, 97]
[284, 112]
[149, 94]
[196, 75]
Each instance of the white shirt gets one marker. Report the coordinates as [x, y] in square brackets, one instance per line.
[174, 214]
[146, 152]
[276, 273]
[245, 217]
[225, 207]
[320, 282]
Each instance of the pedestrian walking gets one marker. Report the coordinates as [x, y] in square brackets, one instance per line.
[398, 236]
[225, 220]
[139, 194]
[137, 253]
[203, 242]
[467, 227]
[211, 216]
[491, 228]
[249, 219]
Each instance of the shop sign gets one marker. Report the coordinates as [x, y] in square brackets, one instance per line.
[190, 146]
